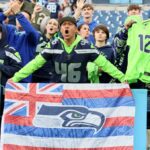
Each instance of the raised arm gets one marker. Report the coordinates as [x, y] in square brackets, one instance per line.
[77, 13]
[25, 23]
[120, 39]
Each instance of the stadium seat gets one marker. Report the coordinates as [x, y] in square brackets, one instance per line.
[113, 19]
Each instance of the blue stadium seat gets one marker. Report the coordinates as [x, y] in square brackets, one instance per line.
[113, 19]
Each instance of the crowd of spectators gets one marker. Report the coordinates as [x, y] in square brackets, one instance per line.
[60, 42]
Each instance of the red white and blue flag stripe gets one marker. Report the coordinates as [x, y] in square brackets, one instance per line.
[68, 117]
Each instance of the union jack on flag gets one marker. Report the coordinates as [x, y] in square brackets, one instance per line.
[40, 116]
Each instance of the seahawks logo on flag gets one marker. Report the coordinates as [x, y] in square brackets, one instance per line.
[69, 117]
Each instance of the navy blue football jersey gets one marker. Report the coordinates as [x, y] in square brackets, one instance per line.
[70, 67]
[54, 9]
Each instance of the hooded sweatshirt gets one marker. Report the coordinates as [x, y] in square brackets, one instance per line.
[10, 61]
[109, 53]
[24, 42]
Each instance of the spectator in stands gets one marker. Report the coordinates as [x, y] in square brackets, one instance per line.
[54, 8]
[84, 31]
[49, 29]
[70, 56]
[66, 8]
[101, 35]
[87, 13]
[120, 43]
[24, 42]
[120, 39]
[10, 62]
[76, 13]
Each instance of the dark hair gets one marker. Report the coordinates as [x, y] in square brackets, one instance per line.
[131, 7]
[80, 26]
[101, 27]
[88, 5]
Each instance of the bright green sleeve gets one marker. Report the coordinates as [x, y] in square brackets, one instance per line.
[136, 18]
[109, 68]
[93, 74]
[27, 70]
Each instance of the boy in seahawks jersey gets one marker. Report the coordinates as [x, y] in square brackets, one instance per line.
[70, 56]
[129, 43]
[120, 39]
[139, 44]
[120, 42]
[101, 35]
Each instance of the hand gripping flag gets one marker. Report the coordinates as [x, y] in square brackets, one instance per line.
[68, 117]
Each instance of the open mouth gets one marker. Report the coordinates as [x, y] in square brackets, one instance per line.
[51, 29]
[66, 31]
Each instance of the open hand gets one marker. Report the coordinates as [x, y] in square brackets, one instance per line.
[37, 8]
[16, 6]
[129, 24]
[80, 3]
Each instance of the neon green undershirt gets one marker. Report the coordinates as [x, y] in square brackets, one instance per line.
[69, 49]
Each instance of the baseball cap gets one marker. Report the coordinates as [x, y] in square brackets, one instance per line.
[68, 18]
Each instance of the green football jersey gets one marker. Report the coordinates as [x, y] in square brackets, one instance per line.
[139, 53]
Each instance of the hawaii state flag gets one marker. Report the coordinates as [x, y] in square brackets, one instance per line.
[40, 116]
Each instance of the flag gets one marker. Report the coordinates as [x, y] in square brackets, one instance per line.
[40, 116]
